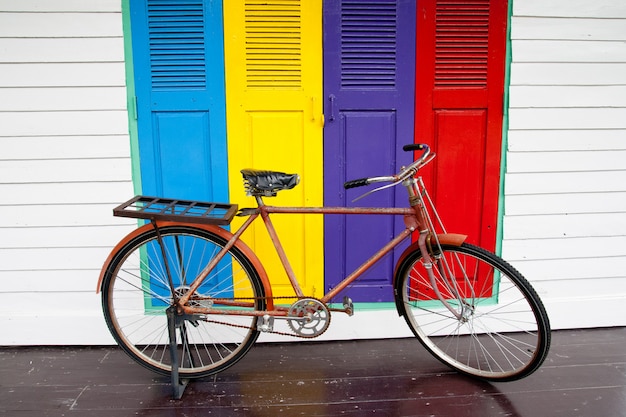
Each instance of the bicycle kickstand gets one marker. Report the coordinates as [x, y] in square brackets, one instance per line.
[173, 321]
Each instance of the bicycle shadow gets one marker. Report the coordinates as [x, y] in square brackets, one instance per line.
[320, 392]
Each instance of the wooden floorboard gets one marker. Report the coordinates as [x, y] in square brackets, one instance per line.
[584, 375]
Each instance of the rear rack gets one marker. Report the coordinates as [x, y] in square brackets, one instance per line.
[156, 208]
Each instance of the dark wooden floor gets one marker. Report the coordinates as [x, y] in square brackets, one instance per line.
[585, 375]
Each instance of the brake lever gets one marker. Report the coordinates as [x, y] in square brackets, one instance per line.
[376, 189]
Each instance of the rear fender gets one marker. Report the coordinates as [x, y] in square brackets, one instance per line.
[223, 233]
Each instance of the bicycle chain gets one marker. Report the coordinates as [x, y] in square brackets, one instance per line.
[273, 331]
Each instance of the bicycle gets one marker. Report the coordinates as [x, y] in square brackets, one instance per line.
[186, 297]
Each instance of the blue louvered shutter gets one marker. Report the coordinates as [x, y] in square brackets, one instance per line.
[369, 72]
[179, 79]
[177, 45]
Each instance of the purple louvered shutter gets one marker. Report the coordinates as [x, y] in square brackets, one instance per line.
[369, 73]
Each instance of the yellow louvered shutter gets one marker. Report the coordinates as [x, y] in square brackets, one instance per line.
[273, 52]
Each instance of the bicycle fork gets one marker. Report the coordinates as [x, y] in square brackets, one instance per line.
[447, 279]
[426, 228]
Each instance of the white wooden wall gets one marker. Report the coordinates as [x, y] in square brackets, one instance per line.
[565, 189]
[64, 163]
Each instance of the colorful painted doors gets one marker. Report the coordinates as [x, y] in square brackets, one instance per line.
[371, 95]
[369, 72]
[274, 86]
[459, 100]
[179, 82]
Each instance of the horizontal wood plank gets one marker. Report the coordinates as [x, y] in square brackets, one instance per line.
[65, 170]
[568, 271]
[567, 161]
[21, 50]
[567, 96]
[63, 98]
[67, 237]
[567, 203]
[60, 25]
[566, 140]
[568, 29]
[565, 182]
[568, 73]
[75, 74]
[57, 259]
[570, 8]
[50, 281]
[580, 289]
[567, 118]
[60, 6]
[568, 51]
[565, 226]
[59, 216]
[66, 193]
[560, 248]
[65, 123]
[65, 147]
[74, 303]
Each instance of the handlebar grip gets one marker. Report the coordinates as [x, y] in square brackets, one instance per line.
[414, 147]
[355, 183]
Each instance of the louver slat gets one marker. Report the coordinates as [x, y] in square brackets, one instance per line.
[273, 44]
[368, 44]
[461, 43]
[177, 44]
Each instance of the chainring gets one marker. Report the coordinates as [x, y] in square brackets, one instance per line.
[308, 317]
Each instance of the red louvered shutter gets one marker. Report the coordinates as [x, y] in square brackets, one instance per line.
[459, 99]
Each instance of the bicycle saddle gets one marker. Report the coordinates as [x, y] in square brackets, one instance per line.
[267, 183]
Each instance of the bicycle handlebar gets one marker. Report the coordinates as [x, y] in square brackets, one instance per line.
[355, 183]
[404, 174]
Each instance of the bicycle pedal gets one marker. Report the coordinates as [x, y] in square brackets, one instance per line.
[348, 306]
[265, 323]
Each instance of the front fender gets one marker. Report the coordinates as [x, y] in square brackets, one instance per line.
[452, 239]
[223, 233]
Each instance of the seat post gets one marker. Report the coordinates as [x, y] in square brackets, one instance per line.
[259, 200]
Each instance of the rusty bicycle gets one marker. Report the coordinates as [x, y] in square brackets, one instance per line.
[187, 298]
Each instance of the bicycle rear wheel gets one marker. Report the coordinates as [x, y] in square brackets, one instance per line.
[497, 329]
[136, 294]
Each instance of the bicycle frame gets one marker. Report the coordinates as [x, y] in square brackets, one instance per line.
[414, 219]
[264, 212]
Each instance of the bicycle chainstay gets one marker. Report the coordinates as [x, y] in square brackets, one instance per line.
[290, 297]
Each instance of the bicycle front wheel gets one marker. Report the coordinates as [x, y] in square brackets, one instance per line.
[480, 316]
[137, 291]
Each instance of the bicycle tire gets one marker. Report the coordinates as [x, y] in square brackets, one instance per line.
[136, 295]
[504, 331]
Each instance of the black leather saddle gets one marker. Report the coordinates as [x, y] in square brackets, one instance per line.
[267, 183]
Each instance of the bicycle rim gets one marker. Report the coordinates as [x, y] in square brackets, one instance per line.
[136, 294]
[496, 330]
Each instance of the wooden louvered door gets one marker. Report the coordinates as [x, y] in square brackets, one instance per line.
[273, 89]
[179, 83]
[459, 102]
[369, 64]
[181, 121]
